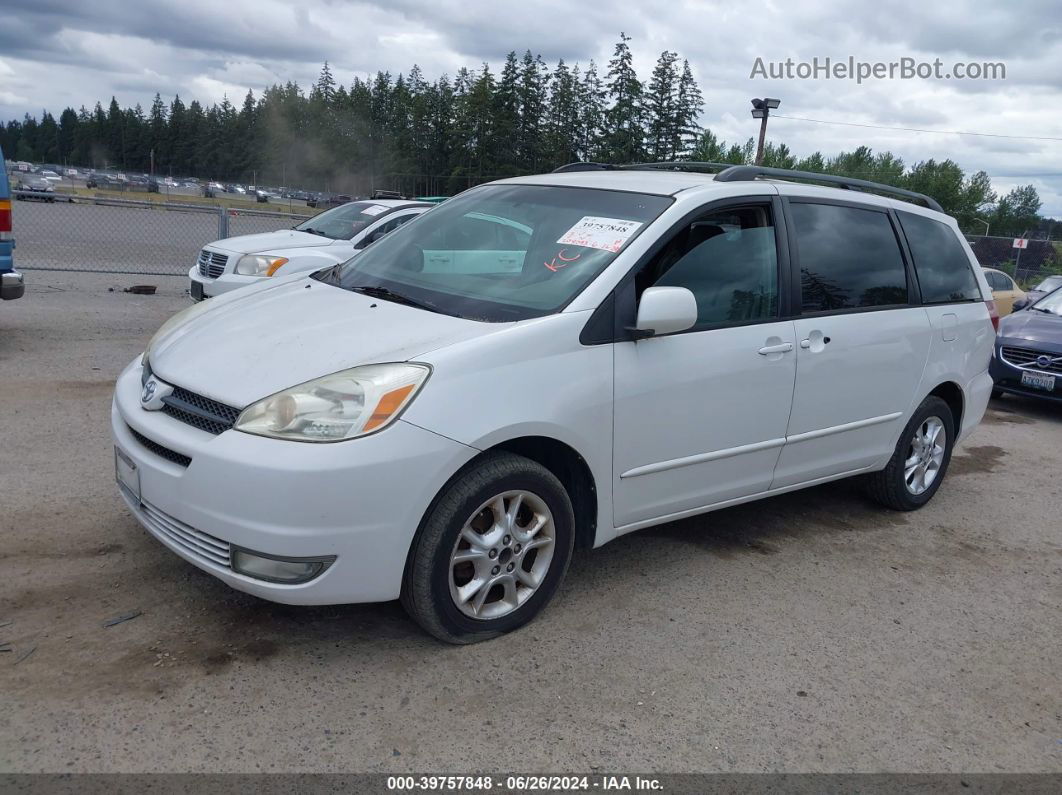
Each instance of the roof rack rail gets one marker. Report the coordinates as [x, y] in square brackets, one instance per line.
[728, 172]
[749, 173]
[584, 166]
[680, 165]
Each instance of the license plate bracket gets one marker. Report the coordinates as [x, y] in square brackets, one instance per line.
[1038, 381]
[127, 474]
[196, 290]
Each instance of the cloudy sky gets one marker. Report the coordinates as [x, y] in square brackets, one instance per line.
[58, 53]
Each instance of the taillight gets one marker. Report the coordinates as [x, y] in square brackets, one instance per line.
[5, 219]
[993, 314]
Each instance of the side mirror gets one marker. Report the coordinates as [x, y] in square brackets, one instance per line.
[665, 310]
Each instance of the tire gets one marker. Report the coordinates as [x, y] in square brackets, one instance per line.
[434, 581]
[997, 394]
[892, 486]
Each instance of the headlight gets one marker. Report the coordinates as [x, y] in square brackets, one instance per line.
[340, 406]
[259, 265]
[182, 317]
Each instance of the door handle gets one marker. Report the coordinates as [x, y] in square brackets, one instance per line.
[767, 350]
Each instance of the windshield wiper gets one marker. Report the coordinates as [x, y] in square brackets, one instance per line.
[390, 295]
[1041, 309]
[311, 230]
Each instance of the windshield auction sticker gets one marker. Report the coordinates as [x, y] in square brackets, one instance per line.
[607, 234]
[376, 209]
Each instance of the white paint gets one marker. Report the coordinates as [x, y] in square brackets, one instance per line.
[669, 426]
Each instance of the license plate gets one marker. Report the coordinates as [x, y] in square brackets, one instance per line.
[196, 291]
[127, 475]
[1038, 381]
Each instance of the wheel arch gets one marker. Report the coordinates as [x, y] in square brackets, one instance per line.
[951, 393]
[569, 467]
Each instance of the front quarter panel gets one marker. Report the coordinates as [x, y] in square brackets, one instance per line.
[530, 379]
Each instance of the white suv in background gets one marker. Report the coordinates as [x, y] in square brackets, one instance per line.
[326, 239]
[549, 362]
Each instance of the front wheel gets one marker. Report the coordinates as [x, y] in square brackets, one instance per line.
[920, 460]
[491, 552]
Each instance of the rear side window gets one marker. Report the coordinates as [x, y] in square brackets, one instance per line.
[944, 272]
[849, 258]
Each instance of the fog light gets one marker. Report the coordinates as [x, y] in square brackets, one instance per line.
[276, 569]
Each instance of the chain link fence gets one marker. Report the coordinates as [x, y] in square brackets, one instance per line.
[1025, 265]
[128, 236]
[109, 235]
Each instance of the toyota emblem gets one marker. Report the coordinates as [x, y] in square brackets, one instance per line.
[149, 391]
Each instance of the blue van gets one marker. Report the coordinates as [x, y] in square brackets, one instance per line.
[11, 283]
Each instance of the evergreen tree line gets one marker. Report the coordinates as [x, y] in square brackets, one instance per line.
[430, 138]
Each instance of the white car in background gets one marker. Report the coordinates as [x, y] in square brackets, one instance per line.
[324, 240]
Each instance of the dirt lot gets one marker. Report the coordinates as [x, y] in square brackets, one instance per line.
[810, 632]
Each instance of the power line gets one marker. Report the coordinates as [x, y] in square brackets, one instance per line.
[919, 129]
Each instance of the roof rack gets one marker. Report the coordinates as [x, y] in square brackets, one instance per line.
[728, 172]
[749, 173]
[684, 165]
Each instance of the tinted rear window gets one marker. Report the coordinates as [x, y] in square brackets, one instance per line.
[849, 258]
[944, 272]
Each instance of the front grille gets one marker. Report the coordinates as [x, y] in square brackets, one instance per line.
[1025, 358]
[159, 450]
[211, 264]
[195, 542]
[199, 412]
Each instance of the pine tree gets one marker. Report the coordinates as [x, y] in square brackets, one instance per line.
[531, 91]
[661, 109]
[562, 118]
[624, 137]
[501, 149]
[591, 98]
[324, 88]
[689, 106]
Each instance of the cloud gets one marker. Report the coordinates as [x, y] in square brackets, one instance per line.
[59, 53]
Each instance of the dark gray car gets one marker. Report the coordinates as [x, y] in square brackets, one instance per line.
[1028, 358]
[1038, 292]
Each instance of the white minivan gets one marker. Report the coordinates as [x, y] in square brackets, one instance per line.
[545, 363]
[326, 239]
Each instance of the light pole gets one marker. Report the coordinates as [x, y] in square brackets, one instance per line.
[983, 221]
[761, 109]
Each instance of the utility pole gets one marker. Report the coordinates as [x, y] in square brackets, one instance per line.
[761, 109]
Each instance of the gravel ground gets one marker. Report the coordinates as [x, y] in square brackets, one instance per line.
[810, 632]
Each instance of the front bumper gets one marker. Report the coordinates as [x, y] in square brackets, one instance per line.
[360, 500]
[225, 283]
[1006, 377]
[12, 285]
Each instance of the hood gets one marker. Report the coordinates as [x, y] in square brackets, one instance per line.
[1028, 324]
[268, 241]
[263, 340]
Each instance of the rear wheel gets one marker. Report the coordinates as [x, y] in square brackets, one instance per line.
[920, 460]
[492, 551]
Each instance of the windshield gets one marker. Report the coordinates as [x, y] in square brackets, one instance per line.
[1049, 284]
[503, 252]
[1052, 302]
[342, 223]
